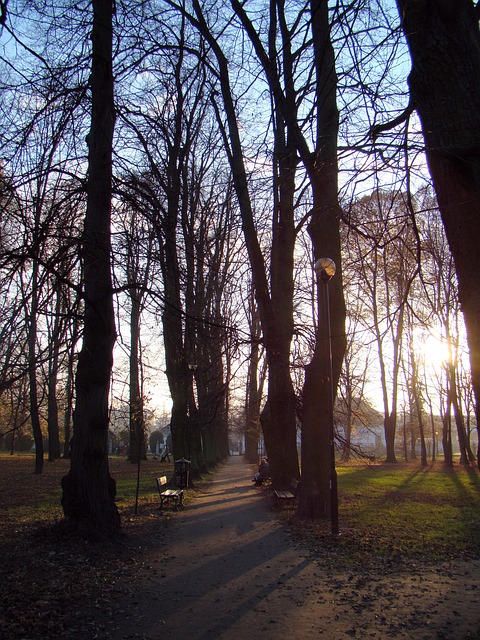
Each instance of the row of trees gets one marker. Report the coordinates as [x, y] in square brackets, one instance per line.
[378, 226]
[225, 145]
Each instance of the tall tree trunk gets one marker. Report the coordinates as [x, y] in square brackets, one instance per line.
[70, 388]
[447, 433]
[278, 418]
[318, 472]
[252, 396]
[32, 373]
[389, 427]
[178, 374]
[282, 447]
[321, 376]
[88, 498]
[421, 428]
[54, 449]
[68, 409]
[137, 447]
[463, 444]
[434, 436]
[405, 447]
[444, 43]
[417, 402]
[347, 441]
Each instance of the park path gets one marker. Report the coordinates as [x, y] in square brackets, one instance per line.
[230, 571]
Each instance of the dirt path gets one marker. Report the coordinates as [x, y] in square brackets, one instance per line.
[232, 572]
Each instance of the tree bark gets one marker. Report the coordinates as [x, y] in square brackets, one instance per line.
[464, 449]
[444, 42]
[88, 498]
[70, 384]
[253, 395]
[324, 228]
[317, 422]
[178, 375]
[418, 405]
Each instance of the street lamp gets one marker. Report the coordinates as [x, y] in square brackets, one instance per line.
[325, 269]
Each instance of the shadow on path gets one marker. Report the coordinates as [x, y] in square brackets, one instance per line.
[227, 556]
[232, 572]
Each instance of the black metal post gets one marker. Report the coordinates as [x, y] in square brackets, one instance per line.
[325, 269]
[326, 272]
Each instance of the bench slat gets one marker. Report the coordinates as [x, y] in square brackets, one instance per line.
[287, 495]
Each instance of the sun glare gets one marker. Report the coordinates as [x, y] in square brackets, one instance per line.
[435, 352]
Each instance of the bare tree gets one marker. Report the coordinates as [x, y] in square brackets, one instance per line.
[444, 43]
[387, 259]
[320, 164]
[184, 193]
[88, 497]
[133, 268]
[415, 392]
[355, 375]
[441, 299]
[279, 416]
[253, 387]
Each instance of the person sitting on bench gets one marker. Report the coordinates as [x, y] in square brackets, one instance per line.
[263, 472]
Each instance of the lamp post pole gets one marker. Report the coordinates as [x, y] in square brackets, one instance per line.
[191, 402]
[325, 269]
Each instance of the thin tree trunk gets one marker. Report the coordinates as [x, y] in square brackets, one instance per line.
[447, 435]
[418, 404]
[465, 451]
[70, 389]
[252, 399]
[32, 373]
[137, 447]
[54, 450]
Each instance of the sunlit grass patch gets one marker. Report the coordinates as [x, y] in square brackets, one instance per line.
[411, 511]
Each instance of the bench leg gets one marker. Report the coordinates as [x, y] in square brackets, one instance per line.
[285, 500]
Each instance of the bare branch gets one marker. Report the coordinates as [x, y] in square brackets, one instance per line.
[377, 129]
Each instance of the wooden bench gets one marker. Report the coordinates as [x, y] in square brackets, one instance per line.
[166, 494]
[288, 495]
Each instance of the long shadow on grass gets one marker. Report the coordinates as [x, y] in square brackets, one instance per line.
[431, 505]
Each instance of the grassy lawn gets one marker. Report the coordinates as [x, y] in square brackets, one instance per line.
[429, 513]
[404, 511]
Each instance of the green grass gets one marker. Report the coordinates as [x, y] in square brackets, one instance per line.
[431, 512]
[397, 510]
